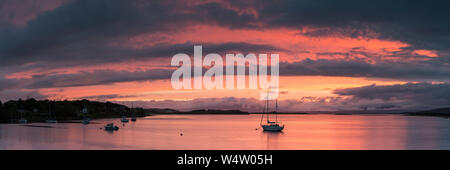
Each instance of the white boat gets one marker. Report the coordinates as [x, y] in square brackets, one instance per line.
[124, 119]
[271, 126]
[111, 127]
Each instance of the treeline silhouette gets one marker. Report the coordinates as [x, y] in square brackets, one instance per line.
[40, 110]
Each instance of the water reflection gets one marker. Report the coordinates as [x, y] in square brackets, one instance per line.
[427, 133]
[272, 140]
[236, 132]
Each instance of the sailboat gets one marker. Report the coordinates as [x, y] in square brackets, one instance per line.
[271, 126]
[111, 127]
[124, 119]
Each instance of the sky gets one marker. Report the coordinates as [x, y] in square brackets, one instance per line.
[334, 55]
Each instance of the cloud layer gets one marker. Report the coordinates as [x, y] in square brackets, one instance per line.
[388, 98]
[72, 43]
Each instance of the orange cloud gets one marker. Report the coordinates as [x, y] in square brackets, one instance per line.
[428, 53]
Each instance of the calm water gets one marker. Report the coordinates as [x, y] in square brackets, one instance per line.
[237, 132]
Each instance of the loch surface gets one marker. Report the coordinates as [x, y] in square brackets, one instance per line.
[315, 131]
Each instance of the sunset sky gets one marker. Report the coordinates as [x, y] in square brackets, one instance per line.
[334, 55]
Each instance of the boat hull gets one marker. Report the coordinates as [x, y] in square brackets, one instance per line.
[111, 127]
[272, 128]
[124, 119]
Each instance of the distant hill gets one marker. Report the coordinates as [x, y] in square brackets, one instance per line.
[200, 111]
[209, 111]
[442, 112]
[160, 111]
[39, 111]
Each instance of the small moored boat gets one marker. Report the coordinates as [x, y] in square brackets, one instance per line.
[124, 119]
[271, 126]
[111, 127]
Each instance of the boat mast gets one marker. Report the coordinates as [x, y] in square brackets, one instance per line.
[263, 112]
[267, 101]
[276, 110]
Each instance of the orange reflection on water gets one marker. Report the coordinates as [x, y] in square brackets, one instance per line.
[334, 132]
[221, 132]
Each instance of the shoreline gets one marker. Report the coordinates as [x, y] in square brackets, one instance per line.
[446, 116]
[76, 121]
[65, 120]
[36, 111]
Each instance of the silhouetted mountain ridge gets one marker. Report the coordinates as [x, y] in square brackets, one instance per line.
[442, 112]
[39, 111]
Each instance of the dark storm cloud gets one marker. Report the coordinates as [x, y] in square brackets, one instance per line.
[7, 83]
[15, 94]
[308, 67]
[80, 30]
[424, 24]
[76, 56]
[97, 77]
[410, 93]
[80, 33]
[360, 68]
[410, 96]
[84, 24]
[105, 97]
[216, 13]
[88, 22]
